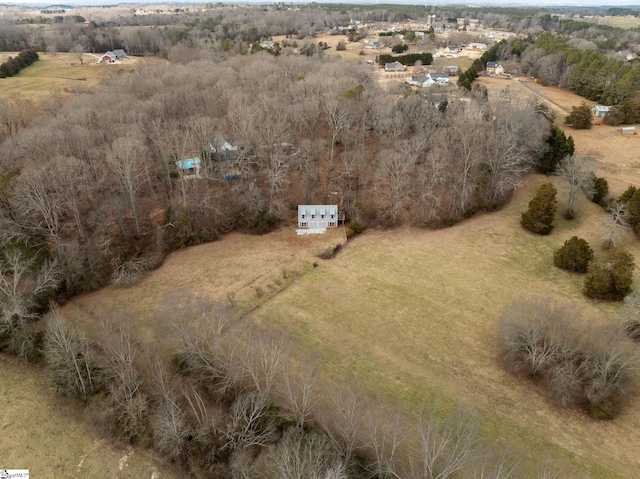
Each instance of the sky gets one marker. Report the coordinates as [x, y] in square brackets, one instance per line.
[528, 3]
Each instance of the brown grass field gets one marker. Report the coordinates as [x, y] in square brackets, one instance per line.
[410, 313]
[48, 435]
[61, 72]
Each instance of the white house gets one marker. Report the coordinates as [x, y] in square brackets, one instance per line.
[452, 49]
[477, 46]
[439, 79]
[317, 216]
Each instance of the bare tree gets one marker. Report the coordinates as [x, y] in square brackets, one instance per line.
[298, 388]
[526, 327]
[78, 51]
[251, 422]
[39, 204]
[69, 358]
[303, 455]
[263, 360]
[573, 170]
[386, 431]
[169, 424]
[447, 445]
[127, 403]
[127, 158]
[497, 465]
[344, 422]
[617, 222]
[21, 282]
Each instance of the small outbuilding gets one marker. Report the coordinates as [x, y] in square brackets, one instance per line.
[628, 130]
[317, 216]
[600, 110]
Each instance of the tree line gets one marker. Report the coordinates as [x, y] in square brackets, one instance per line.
[12, 66]
[568, 64]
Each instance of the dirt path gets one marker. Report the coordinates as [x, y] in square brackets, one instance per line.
[529, 86]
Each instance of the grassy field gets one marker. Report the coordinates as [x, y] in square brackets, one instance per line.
[63, 73]
[621, 22]
[48, 435]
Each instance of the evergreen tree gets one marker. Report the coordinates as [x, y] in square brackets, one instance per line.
[542, 209]
[575, 255]
[580, 117]
[560, 146]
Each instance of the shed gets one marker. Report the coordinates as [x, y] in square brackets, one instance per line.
[628, 130]
[317, 216]
[600, 110]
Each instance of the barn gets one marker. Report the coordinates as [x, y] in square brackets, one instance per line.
[317, 216]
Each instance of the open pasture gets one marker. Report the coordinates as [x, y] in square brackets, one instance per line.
[62, 73]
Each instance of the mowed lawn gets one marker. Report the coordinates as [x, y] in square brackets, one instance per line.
[412, 314]
[49, 436]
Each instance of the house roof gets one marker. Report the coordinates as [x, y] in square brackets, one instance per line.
[601, 108]
[439, 76]
[318, 210]
[394, 66]
[119, 52]
[418, 78]
[493, 64]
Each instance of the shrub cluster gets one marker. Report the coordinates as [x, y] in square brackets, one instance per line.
[611, 277]
[579, 366]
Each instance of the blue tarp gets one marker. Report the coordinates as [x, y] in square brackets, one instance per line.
[188, 164]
